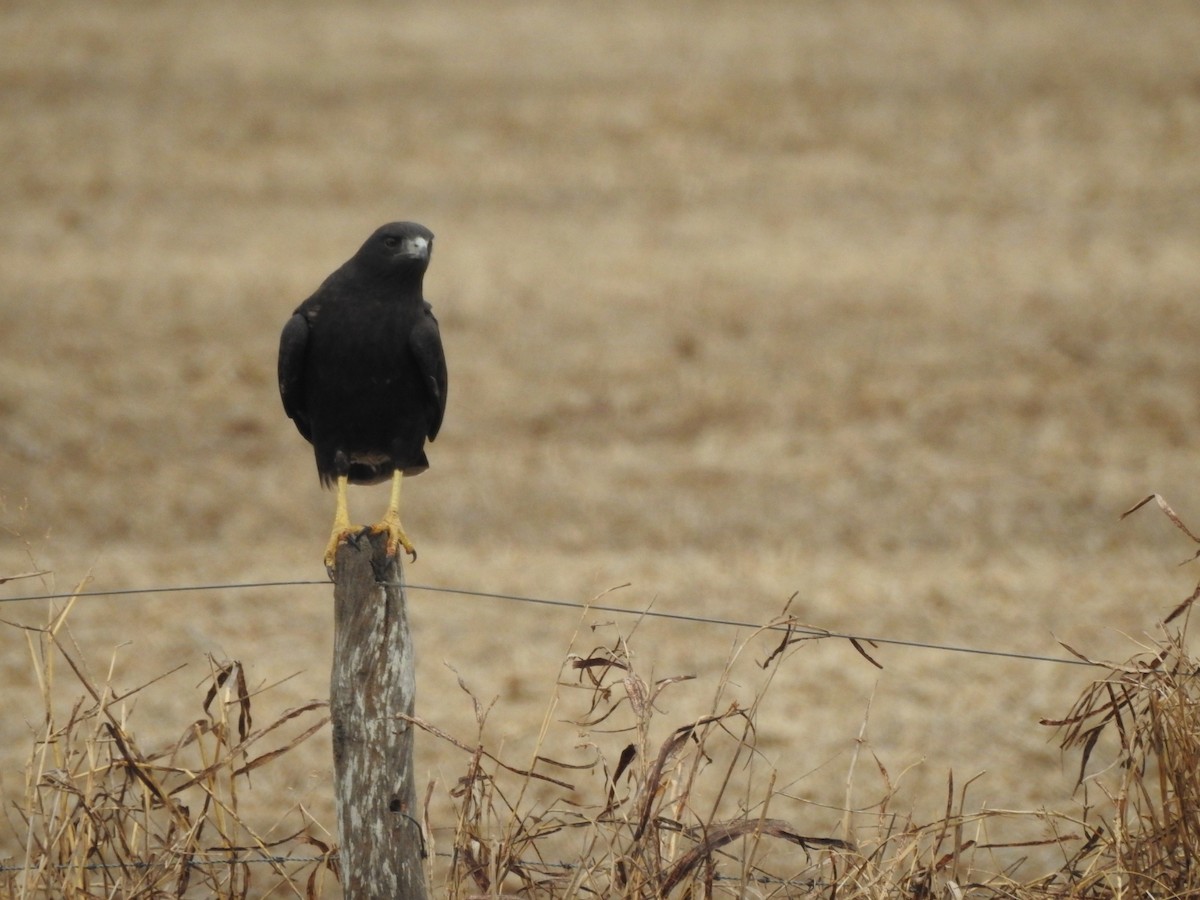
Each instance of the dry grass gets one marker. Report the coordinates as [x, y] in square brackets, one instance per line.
[101, 816]
[645, 807]
[1143, 823]
[701, 812]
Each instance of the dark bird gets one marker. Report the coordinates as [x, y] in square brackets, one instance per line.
[363, 375]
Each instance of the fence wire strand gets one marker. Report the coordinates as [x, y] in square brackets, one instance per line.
[192, 863]
[791, 627]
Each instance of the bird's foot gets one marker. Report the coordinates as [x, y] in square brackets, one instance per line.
[340, 535]
[396, 538]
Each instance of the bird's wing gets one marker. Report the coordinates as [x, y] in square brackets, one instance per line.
[426, 344]
[292, 352]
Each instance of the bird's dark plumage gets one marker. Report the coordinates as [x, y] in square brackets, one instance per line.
[361, 367]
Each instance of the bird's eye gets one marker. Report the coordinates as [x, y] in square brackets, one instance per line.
[390, 241]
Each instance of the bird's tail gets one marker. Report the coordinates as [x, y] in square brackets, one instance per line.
[370, 473]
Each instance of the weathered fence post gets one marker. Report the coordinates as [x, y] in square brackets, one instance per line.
[372, 685]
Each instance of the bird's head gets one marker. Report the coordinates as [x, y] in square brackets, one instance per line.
[398, 246]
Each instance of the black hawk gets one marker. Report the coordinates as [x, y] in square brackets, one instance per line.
[363, 375]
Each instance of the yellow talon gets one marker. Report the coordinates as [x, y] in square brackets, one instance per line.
[390, 525]
[342, 529]
[396, 538]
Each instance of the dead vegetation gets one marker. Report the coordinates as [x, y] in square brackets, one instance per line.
[103, 817]
[654, 805]
[700, 812]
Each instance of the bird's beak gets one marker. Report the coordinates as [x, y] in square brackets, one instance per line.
[415, 248]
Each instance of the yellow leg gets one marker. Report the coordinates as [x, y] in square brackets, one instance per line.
[342, 528]
[391, 522]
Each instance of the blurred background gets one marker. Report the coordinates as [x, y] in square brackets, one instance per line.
[889, 307]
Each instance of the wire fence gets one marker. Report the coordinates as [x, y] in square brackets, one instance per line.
[790, 627]
[529, 865]
[189, 861]
[230, 857]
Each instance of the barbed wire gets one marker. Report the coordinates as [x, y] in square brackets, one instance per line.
[788, 627]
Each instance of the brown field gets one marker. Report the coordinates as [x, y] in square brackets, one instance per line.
[892, 307]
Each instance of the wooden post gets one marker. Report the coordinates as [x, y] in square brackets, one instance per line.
[373, 683]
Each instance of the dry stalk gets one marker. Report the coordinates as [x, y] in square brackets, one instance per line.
[102, 817]
[682, 810]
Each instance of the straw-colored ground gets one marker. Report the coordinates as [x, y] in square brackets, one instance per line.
[890, 306]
